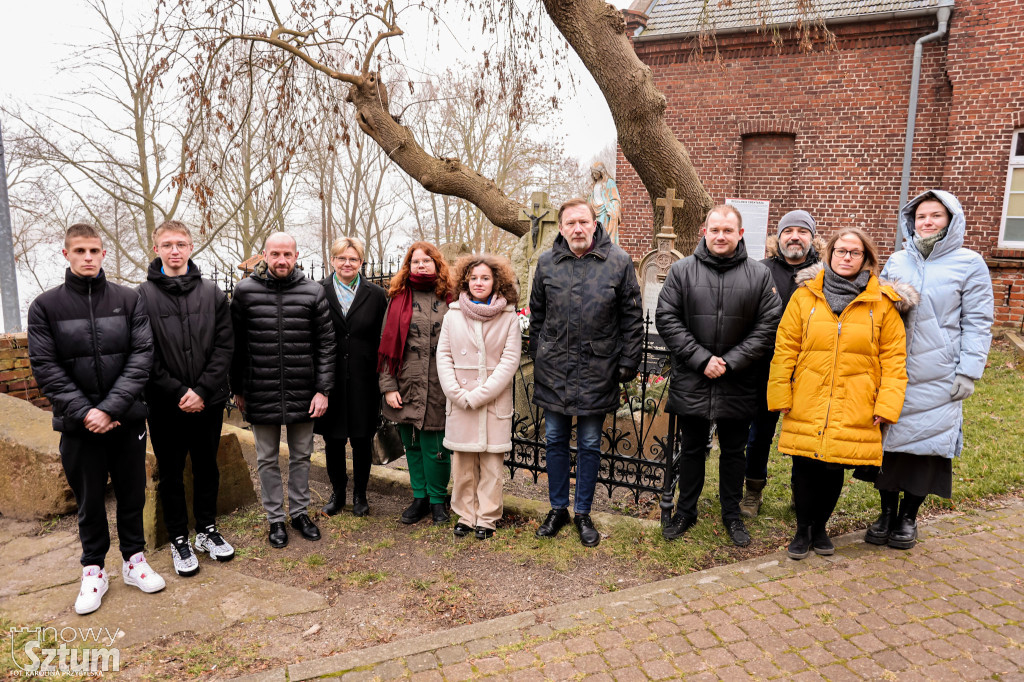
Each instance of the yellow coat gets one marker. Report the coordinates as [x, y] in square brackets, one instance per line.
[835, 374]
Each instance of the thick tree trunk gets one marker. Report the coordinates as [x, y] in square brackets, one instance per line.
[597, 32]
[441, 176]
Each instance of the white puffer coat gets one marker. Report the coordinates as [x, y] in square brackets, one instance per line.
[949, 333]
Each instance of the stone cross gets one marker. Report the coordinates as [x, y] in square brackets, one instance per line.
[668, 203]
[543, 220]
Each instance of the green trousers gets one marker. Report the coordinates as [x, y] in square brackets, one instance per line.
[430, 462]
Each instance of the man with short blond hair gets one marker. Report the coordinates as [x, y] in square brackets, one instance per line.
[90, 347]
[188, 387]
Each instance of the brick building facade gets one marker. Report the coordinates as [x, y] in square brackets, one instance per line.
[824, 130]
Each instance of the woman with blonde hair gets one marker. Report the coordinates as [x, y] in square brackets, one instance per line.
[477, 357]
[357, 311]
[407, 375]
[838, 373]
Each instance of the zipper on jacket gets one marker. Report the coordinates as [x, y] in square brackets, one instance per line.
[95, 345]
[718, 341]
[871, 319]
[280, 355]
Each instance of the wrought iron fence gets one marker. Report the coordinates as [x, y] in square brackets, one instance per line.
[640, 443]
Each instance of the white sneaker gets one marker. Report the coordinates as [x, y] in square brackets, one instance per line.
[186, 563]
[94, 586]
[136, 571]
[213, 542]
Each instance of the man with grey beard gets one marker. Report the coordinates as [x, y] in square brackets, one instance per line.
[792, 252]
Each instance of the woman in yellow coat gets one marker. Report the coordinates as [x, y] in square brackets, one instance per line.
[838, 373]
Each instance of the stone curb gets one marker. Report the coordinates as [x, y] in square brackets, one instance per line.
[384, 478]
[1016, 341]
[580, 612]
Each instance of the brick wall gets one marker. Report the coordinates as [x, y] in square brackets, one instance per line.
[842, 113]
[15, 374]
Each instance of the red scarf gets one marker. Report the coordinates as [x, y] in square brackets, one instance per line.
[396, 328]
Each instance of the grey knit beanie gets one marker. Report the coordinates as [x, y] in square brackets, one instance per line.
[797, 219]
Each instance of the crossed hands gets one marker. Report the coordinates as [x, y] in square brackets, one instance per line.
[98, 421]
[191, 402]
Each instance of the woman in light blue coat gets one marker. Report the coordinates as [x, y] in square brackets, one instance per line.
[948, 337]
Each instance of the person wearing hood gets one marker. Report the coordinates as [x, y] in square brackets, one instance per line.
[838, 374]
[188, 387]
[794, 248]
[948, 338]
[586, 335]
[716, 313]
[281, 374]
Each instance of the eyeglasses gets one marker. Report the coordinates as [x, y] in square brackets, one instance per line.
[348, 261]
[167, 246]
[843, 253]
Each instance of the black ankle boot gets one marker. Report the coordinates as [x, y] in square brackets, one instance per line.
[439, 513]
[416, 511]
[336, 504]
[800, 545]
[821, 543]
[904, 531]
[360, 507]
[878, 532]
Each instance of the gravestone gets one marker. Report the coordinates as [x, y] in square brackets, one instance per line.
[542, 219]
[654, 266]
[452, 252]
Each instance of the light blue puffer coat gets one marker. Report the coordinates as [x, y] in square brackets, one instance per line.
[949, 333]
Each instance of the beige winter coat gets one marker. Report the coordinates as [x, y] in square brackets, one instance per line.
[476, 363]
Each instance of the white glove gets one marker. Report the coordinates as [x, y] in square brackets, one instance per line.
[962, 389]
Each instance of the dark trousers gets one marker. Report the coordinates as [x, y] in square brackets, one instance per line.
[816, 490]
[177, 435]
[88, 460]
[759, 443]
[732, 437]
[334, 451]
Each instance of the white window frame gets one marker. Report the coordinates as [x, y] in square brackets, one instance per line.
[1015, 162]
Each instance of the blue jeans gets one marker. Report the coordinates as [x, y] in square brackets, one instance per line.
[588, 459]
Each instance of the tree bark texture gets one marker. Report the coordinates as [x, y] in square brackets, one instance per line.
[597, 32]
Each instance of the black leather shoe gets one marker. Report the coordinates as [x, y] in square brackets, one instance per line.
[483, 533]
[588, 534]
[304, 525]
[553, 523]
[800, 545]
[278, 536]
[738, 533]
[678, 526]
[416, 511]
[878, 532]
[461, 530]
[904, 533]
[359, 505]
[821, 543]
[335, 504]
[439, 513]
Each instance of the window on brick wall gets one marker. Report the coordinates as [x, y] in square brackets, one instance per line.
[1011, 234]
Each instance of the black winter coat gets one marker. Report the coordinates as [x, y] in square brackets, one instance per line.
[723, 307]
[192, 335]
[284, 345]
[353, 410]
[585, 322]
[90, 345]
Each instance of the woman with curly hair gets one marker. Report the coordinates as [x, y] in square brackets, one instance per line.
[477, 357]
[407, 375]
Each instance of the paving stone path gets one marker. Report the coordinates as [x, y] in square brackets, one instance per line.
[950, 609]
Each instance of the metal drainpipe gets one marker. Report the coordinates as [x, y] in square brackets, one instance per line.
[915, 82]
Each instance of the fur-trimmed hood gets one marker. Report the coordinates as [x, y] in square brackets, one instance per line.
[907, 296]
[771, 245]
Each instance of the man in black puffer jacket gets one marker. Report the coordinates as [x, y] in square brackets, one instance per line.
[90, 348]
[586, 334]
[281, 374]
[187, 390]
[716, 313]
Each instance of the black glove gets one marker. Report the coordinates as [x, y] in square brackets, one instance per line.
[626, 374]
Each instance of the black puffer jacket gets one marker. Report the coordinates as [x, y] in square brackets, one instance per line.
[717, 306]
[585, 322]
[90, 345]
[284, 345]
[192, 335]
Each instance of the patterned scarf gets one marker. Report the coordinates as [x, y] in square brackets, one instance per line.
[346, 292]
[481, 312]
[926, 244]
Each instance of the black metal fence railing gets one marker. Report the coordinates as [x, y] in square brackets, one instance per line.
[640, 443]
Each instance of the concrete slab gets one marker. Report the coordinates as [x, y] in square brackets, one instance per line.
[31, 564]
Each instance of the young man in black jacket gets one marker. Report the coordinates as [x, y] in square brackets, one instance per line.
[717, 313]
[188, 386]
[90, 347]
